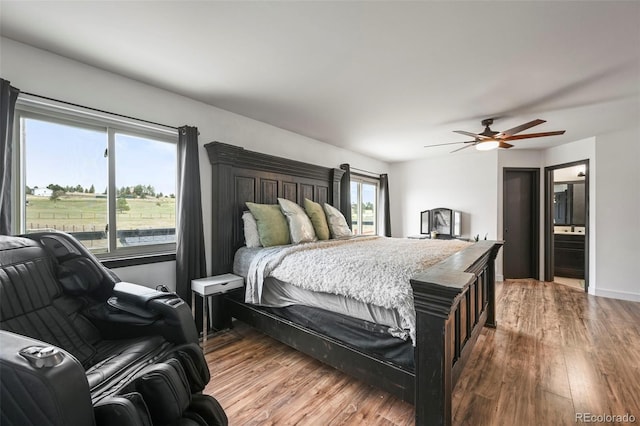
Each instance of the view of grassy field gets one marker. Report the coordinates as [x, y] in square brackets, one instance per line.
[88, 212]
[368, 220]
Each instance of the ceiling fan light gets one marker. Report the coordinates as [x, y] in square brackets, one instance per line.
[487, 145]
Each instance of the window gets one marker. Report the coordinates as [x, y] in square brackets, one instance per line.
[110, 184]
[364, 206]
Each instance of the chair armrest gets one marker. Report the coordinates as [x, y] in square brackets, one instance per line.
[174, 312]
[32, 394]
[138, 295]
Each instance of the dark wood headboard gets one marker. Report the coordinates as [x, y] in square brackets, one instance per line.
[240, 175]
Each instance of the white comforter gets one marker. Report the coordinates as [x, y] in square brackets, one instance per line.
[374, 270]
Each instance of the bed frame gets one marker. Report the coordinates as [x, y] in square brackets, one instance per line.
[453, 299]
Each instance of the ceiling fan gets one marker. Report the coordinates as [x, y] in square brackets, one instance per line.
[490, 139]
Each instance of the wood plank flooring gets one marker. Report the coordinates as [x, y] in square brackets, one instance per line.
[556, 352]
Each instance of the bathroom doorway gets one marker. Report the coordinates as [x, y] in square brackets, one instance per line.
[567, 224]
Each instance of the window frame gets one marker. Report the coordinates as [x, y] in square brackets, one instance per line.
[28, 107]
[360, 179]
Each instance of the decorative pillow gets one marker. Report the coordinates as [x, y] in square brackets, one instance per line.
[251, 236]
[318, 219]
[337, 223]
[300, 226]
[272, 225]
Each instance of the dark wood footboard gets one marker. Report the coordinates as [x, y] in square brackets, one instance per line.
[453, 300]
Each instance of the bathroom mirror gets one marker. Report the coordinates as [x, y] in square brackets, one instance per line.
[569, 203]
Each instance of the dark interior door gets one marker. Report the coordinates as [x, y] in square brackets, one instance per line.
[520, 222]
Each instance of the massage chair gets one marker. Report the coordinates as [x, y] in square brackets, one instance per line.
[78, 347]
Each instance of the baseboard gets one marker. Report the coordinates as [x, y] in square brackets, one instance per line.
[616, 294]
[499, 277]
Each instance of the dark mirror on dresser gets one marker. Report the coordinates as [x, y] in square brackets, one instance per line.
[444, 222]
[425, 221]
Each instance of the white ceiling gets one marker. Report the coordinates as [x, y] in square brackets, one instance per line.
[380, 78]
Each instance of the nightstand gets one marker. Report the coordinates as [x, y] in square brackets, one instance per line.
[211, 286]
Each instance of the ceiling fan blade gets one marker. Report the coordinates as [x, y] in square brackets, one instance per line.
[464, 147]
[448, 143]
[533, 135]
[473, 135]
[520, 128]
[504, 145]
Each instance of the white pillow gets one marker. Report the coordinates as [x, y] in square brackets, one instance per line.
[251, 236]
[337, 223]
[300, 226]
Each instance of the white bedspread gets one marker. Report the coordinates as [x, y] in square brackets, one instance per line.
[374, 270]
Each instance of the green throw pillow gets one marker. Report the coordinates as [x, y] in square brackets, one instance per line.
[318, 219]
[272, 225]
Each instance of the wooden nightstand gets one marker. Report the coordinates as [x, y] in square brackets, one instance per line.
[211, 286]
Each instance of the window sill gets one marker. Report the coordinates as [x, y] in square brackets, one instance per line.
[121, 262]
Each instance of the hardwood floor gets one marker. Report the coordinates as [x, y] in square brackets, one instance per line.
[572, 282]
[556, 352]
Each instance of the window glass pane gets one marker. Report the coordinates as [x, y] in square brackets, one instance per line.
[354, 207]
[66, 181]
[369, 192]
[145, 191]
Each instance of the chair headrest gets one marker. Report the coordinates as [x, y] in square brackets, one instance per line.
[17, 249]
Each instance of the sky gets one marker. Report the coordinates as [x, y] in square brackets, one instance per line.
[71, 156]
[368, 193]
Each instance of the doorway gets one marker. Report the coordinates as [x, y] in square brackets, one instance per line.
[521, 218]
[567, 224]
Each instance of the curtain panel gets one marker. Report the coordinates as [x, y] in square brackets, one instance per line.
[8, 98]
[345, 193]
[385, 216]
[190, 253]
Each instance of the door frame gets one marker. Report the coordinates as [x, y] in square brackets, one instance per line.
[535, 213]
[548, 219]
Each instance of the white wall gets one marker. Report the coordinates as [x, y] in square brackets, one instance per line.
[43, 73]
[618, 214]
[465, 182]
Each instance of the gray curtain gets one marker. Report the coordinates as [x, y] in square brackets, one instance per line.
[345, 193]
[385, 217]
[8, 98]
[190, 256]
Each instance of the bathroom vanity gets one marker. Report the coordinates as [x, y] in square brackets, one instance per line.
[569, 253]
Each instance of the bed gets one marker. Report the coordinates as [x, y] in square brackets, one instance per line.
[452, 300]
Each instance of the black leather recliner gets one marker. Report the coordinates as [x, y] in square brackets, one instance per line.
[78, 347]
